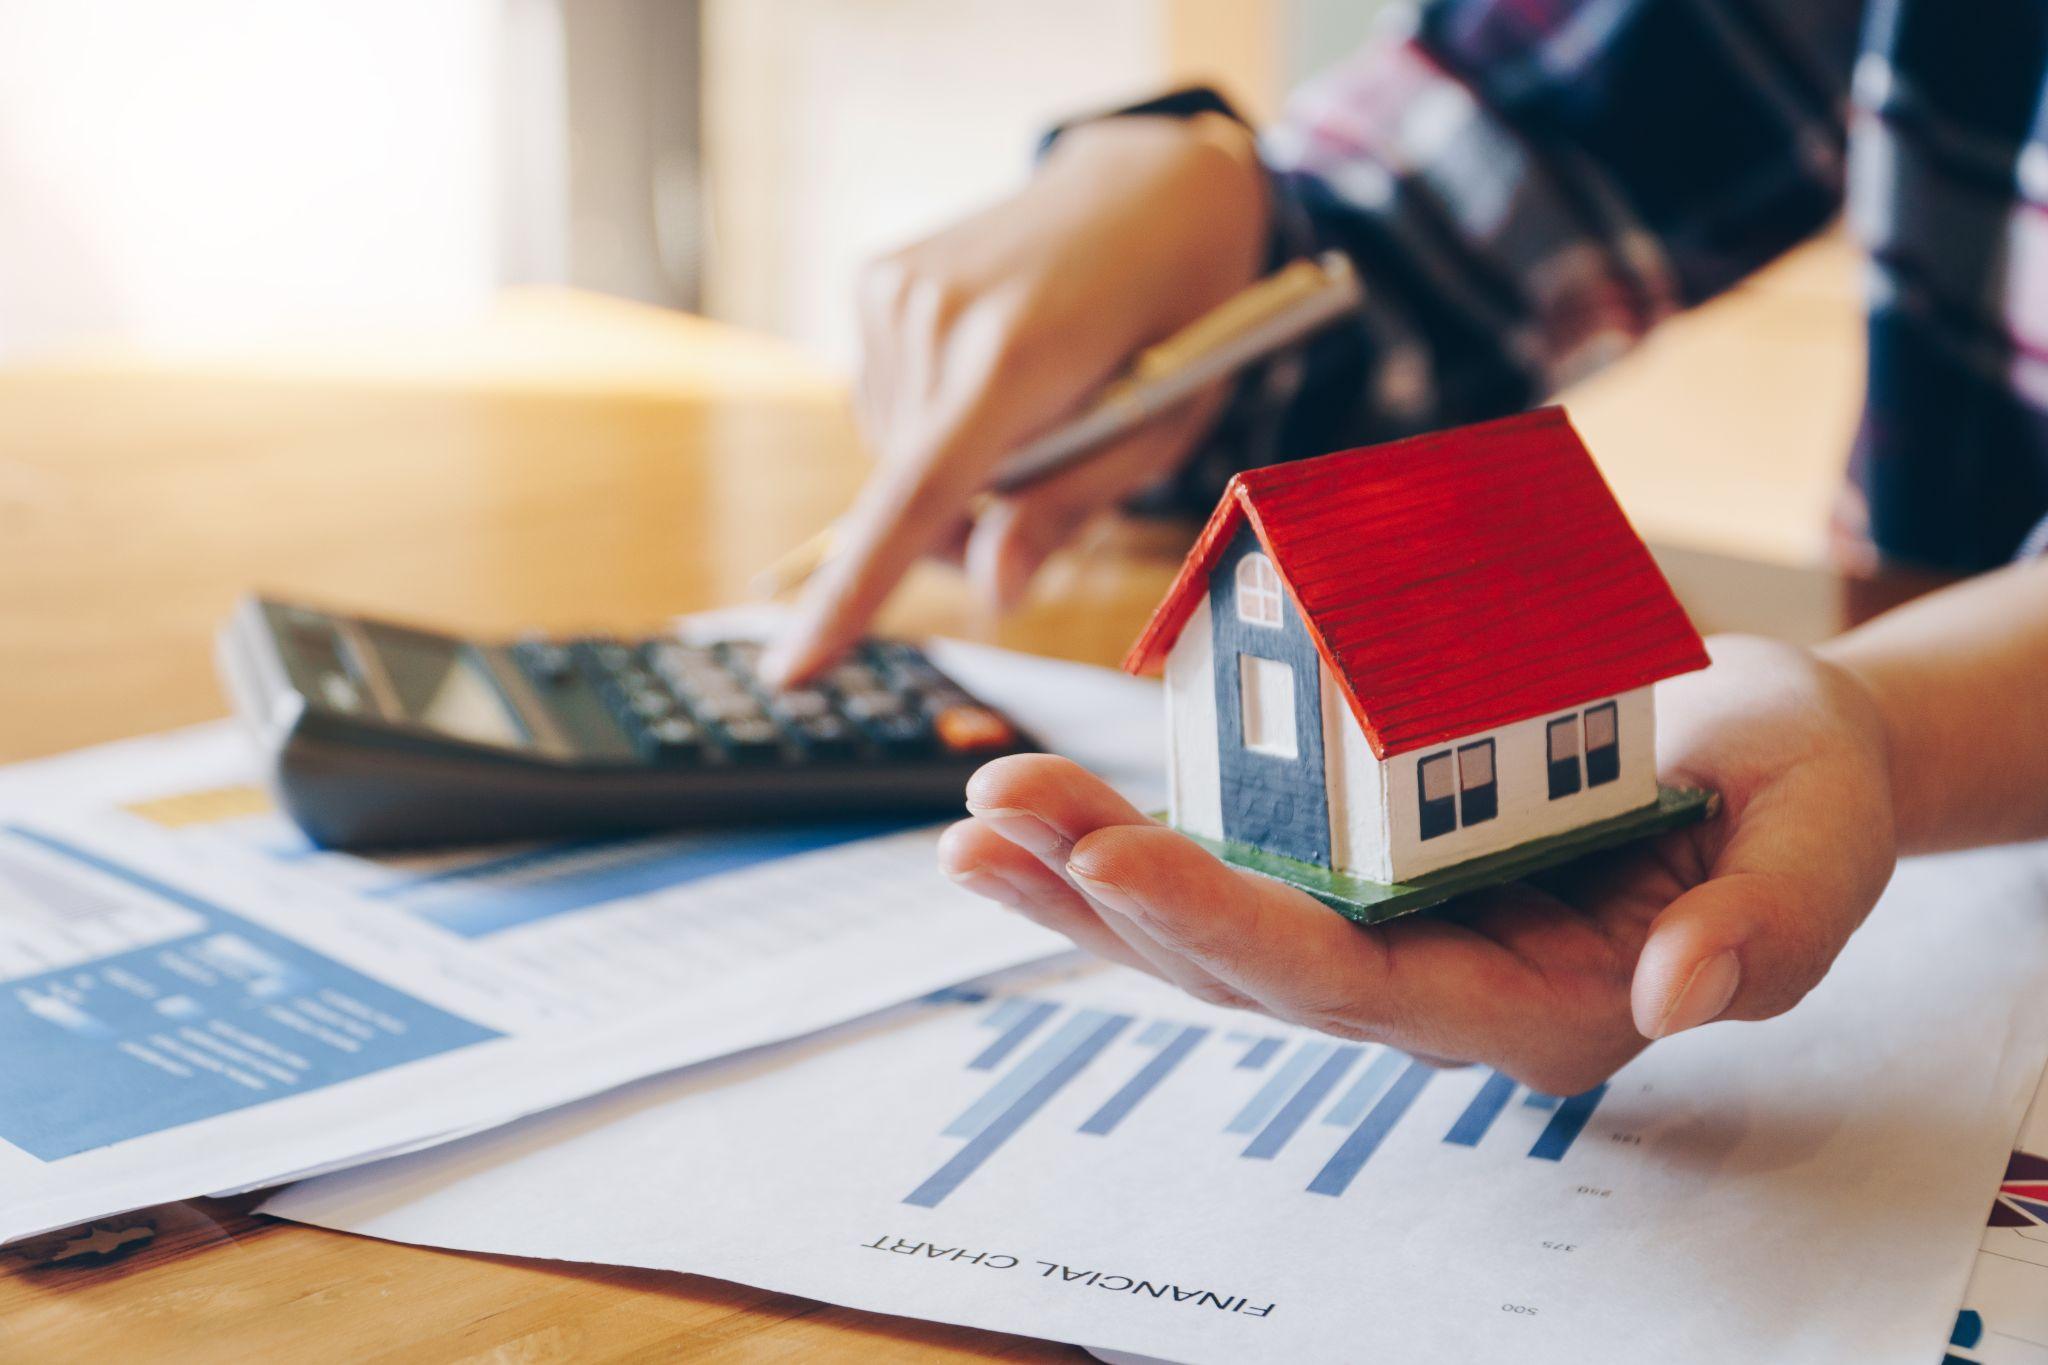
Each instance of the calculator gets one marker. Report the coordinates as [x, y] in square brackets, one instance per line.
[381, 735]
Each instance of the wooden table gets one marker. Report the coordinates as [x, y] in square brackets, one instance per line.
[136, 503]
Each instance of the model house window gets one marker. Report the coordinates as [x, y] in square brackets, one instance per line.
[1464, 794]
[1603, 745]
[1438, 791]
[1564, 756]
[1478, 792]
[1266, 698]
[1258, 591]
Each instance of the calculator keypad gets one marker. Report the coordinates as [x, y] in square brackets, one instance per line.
[702, 704]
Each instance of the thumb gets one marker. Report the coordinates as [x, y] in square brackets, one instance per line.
[1745, 945]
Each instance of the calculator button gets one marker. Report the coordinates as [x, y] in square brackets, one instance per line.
[671, 740]
[730, 708]
[803, 704]
[674, 661]
[900, 734]
[753, 741]
[827, 736]
[650, 704]
[912, 670]
[942, 699]
[547, 663]
[965, 729]
[618, 695]
[855, 678]
[873, 705]
[719, 685]
[743, 654]
[614, 657]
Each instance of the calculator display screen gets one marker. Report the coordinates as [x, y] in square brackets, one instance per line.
[443, 685]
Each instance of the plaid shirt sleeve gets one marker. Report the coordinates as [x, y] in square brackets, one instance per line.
[1527, 187]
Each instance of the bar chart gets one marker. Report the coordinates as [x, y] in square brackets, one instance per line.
[1299, 1088]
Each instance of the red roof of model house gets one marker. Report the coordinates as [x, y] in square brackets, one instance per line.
[1453, 583]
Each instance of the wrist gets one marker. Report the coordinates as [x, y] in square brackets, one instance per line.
[1182, 205]
[1866, 697]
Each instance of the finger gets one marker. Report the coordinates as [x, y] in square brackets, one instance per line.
[1249, 933]
[1282, 950]
[1015, 535]
[950, 547]
[944, 454]
[1429, 988]
[1278, 946]
[1066, 800]
[896, 519]
[1510, 994]
[981, 861]
[1052, 900]
[1781, 899]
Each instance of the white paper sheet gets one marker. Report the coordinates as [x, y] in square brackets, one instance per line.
[1103, 1161]
[2004, 1320]
[192, 999]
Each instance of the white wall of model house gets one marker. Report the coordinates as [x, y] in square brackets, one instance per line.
[1194, 777]
[1375, 810]
[1521, 762]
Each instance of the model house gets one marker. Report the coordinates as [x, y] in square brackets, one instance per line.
[1390, 661]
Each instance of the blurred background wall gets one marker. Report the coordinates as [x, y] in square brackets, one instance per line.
[465, 189]
[187, 174]
[191, 172]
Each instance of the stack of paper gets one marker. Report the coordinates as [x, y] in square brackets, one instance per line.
[194, 1000]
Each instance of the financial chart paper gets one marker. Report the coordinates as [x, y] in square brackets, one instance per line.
[193, 999]
[2004, 1318]
[1103, 1161]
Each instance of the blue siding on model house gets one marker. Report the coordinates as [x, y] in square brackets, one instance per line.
[1278, 804]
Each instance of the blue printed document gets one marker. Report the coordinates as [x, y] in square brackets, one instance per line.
[1101, 1160]
[193, 999]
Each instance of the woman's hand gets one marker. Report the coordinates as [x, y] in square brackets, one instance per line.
[983, 337]
[1556, 982]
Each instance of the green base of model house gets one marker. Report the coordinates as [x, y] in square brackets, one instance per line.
[1370, 902]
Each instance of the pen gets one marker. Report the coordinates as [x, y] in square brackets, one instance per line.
[1270, 315]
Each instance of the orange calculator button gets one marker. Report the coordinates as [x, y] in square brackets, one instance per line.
[966, 728]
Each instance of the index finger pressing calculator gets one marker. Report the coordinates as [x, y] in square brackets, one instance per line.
[383, 735]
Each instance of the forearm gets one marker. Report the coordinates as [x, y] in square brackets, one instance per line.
[1509, 198]
[1961, 678]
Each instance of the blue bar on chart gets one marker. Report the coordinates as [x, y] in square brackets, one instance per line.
[1365, 1089]
[1343, 1167]
[1104, 1120]
[1025, 1074]
[1274, 1092]
[1536, 1099]
[1565, 1125]
[1258, 1054]
[1019, 1019]
[1005, 1012]
[1067, 1054]
[1480, 1114]
[1157, 1032]
[1285, 1124]
[955, 995]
